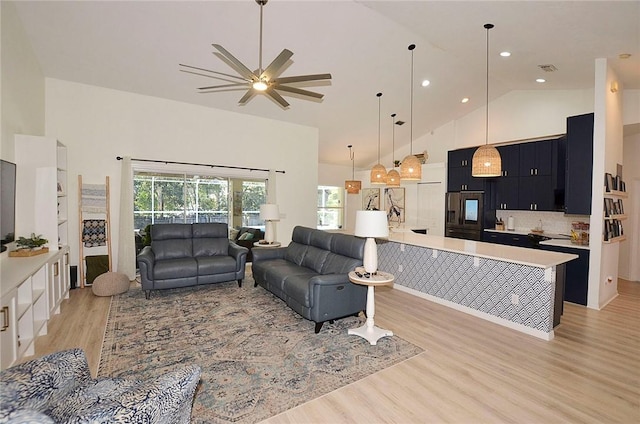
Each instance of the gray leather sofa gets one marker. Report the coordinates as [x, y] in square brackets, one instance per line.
[311, 274]
[183, 255]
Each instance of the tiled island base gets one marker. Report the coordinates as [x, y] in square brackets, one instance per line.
[512, 294]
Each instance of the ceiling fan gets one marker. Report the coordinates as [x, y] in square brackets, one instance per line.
[261, 81]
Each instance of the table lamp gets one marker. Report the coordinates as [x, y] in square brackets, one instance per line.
[269, 213]
[371, 224]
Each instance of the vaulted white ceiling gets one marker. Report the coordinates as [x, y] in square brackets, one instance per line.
[136, 46]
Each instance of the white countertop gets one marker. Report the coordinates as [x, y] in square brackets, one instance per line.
[556, 239]
[531, 257]
[564, 243]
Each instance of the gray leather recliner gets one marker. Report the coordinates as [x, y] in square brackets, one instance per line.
[311, 274]
[183, 255]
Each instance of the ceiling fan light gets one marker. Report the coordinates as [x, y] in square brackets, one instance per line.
[393, 178]
[378, 174]
[260, 85]
[486, 162]
[411, 169]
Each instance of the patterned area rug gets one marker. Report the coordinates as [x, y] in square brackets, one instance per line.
[258, 357]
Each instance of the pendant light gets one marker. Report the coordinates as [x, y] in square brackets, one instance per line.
[378, 172]
[486, 160]
[353, 186]
[393, 177]
[411, 168]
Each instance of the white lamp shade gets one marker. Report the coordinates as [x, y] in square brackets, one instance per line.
[269, 212]
[371, 224]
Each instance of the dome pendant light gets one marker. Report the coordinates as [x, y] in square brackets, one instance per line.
[378, 172]
[486, 160]
[393, 177]
[411, 168]
[353, 186]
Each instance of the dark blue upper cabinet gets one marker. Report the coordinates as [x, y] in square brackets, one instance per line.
[536, 158]
[579, 165]
[510, 157]
[459, 171]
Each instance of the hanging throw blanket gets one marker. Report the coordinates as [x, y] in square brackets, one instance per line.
[94, 232]
[94, 198]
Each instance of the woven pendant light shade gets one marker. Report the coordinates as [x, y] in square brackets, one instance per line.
[411, 169]
[393, 178]
[378, 174]
[353, 186]
[486, 162]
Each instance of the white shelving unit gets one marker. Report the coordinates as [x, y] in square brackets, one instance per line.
[32, 290]
[41, 189]
[614, 219]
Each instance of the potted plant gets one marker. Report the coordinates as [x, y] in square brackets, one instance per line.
[34, 242]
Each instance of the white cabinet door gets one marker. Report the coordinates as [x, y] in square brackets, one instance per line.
[8, 334]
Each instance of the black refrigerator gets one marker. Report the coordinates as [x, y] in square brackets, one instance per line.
[465, 215]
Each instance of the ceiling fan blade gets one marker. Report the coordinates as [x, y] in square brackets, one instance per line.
[247, 96]
[208, 70]
[236, 64]
[300, 91]
[277, 97]
[276, 65]
[213, 87]
[209, 76]
[302, 78]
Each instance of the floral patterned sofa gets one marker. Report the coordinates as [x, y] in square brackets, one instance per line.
[58, 388]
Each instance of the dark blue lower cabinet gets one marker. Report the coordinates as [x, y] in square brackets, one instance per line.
[576, 274]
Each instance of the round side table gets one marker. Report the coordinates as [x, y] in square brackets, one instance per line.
[369, 331]
[267, 245]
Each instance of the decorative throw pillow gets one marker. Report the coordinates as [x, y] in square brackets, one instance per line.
[246, 236]
[233, 233]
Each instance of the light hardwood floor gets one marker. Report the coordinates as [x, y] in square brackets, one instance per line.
[471, 370]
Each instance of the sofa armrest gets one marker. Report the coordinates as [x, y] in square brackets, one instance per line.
[237, 251]
[267, 253]
[146, 259]
[41, 383]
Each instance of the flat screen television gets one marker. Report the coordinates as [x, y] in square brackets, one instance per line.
[7, 203]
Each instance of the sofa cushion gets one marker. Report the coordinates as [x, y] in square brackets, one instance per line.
[210, 239]
[163, 399]
[209, 265]
[277, 271]
[172, 249]
[295, 252]
[350, 246]
[314, 258]
[175, 268]
[297, 288]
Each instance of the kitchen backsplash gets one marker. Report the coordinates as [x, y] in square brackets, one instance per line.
[552, 222]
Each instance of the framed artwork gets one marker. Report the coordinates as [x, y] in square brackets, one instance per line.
[394, 204]
[371, 199]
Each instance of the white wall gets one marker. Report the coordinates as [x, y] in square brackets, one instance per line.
[629, 265]
[21, 83]
[607, 153]
[98, 124]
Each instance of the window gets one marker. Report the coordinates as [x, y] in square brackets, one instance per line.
[186, 198]
[330, 207]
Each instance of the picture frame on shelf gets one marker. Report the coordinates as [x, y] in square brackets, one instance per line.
[608, 182]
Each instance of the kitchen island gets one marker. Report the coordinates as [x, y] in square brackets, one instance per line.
[511, 286]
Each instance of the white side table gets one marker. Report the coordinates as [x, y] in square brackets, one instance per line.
[369, 331]
[267, 245]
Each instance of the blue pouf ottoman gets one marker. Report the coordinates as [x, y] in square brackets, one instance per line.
[110, 283]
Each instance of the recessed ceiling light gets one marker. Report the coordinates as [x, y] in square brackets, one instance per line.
[541, 80]
[465, 100]
[505, 54]
[425, 83]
